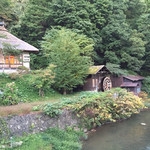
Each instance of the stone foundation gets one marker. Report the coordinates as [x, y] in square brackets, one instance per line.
[34, 123]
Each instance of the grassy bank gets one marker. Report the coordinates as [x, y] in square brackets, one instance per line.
[27, 94]
[52, 139]
[26, 90]
[95, 109]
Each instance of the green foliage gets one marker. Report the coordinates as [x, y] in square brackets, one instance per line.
[7, 13]
[52, 138]
[146, 85]
[4, 79]
[135, 9]
[95, 109]
[10, 95]
[19, 6]
[122, 45]
[115, 69]
[13, 76]
[84, 17]
[4, 131]
[8, 49]
[22, 70]
[71, 54]
[143, 27]
[43, 79]
[28, 91]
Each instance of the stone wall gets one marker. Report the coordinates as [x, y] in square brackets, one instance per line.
[34, 123]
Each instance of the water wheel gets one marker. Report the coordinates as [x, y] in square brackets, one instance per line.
[107, 84]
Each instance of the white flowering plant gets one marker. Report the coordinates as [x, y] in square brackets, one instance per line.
[10, 95]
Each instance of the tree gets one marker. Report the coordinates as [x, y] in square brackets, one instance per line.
[43, 79]
[135, 8]
[143, 24]
[121, 44]
[116, 70]
[7, 13]
[85, 17]
[71, 54]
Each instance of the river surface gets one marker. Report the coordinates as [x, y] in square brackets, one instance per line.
[129, 134]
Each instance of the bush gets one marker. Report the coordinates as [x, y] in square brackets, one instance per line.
[13, 76]
[22, 70]
[9, 95]
[95, 109]
[43, 79]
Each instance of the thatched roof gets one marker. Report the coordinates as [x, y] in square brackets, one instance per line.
[97, 69]
[6, 37]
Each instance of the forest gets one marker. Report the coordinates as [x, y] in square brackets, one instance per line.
[71, 36]
[115, 33]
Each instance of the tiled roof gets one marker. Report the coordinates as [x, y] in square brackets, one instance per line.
[6, 37]
[129, 84]
[134, 78]
[95, 69]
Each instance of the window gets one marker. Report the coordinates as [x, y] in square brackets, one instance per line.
[10, 61]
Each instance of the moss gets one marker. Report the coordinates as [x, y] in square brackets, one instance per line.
[95, 69]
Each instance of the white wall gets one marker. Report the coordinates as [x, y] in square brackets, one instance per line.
[26, 60]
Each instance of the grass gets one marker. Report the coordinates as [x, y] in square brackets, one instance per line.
[29, 94]
[26, 108]
[51, 139]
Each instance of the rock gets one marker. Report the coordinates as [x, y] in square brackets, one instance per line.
[2, 147]
[15, 144]
[85, 130]
[93, 130]
[143, 124]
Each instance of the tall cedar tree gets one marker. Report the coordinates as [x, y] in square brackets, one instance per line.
[7, 14]
[122, 45]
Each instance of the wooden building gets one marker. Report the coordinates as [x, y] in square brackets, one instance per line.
[9, 64]
[98, 79]
[130, 82]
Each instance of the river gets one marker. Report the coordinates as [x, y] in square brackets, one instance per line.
[130, 134]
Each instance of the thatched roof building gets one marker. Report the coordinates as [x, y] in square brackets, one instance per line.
[9, 64]
[6, 37]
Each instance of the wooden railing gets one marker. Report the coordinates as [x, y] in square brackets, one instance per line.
[9, 63]
[9, 66]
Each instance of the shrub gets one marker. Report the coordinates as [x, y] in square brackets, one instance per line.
[22, 70]
[43, 79]
[10, 95]
[13, 76]
[97, 108]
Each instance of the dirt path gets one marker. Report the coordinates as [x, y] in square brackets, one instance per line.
[20, 109]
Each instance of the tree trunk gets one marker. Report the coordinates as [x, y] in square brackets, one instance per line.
[64, 92]
[41, 92]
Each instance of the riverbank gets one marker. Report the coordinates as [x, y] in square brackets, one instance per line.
[88, 110]
[129, 134]
[51, 139]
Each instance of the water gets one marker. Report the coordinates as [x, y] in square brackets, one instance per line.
[125, 135]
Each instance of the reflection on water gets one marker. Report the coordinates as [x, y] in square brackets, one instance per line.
[126, 135]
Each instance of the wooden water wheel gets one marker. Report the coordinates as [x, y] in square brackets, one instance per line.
[107, 84]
